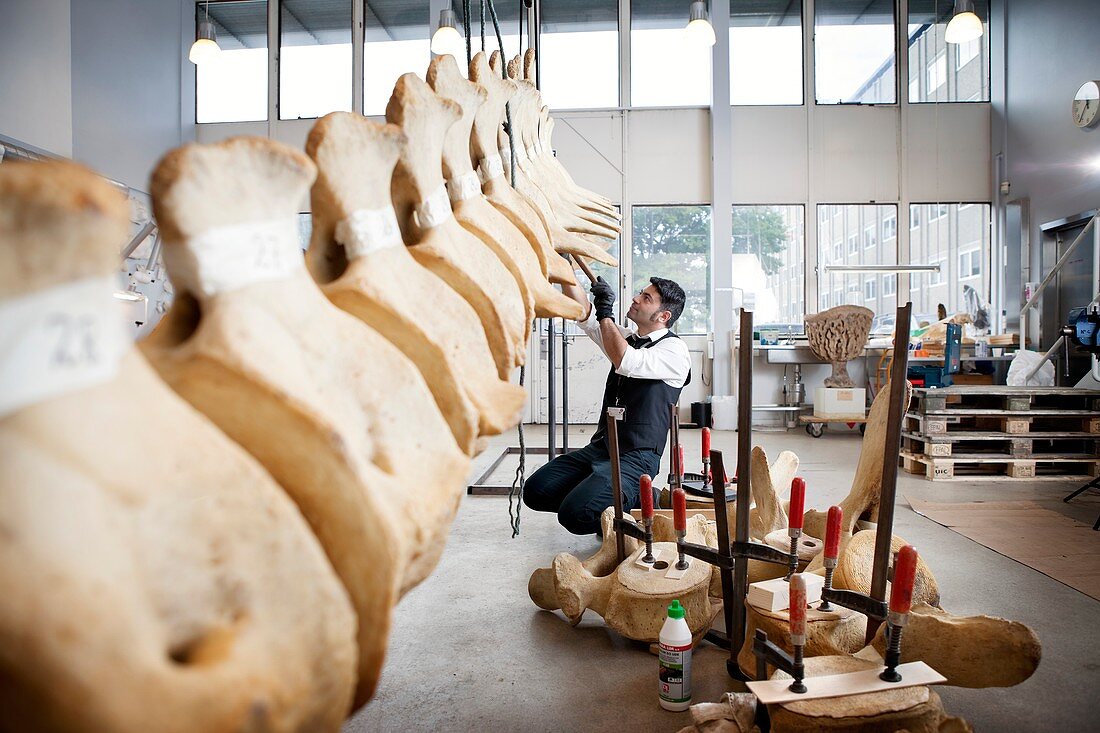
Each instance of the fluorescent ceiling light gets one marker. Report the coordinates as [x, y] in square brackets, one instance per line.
[882, 268]
[699, 30]
[965, 25]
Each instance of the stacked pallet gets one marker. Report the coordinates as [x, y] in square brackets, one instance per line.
[1002, 432]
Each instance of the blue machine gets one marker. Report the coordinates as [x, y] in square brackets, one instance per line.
[939, 375]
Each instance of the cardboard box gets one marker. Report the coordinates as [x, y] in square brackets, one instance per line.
[834, 403]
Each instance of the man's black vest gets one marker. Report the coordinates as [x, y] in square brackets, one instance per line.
[646, 421]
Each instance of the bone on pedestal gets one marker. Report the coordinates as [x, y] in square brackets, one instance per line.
[839, 631]
[857, 557]
[838, 335]
[483, 146]
[971, 651]
[338, 415]
[631, 599]
[867, 483]
[435, 238]
[473, 210]
[145, 558]
[914, 709]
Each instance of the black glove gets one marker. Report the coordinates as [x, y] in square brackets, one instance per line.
[603, 298]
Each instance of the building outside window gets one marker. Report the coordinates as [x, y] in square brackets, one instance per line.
[851, 287]
[869, 238]
[314, 58]
[970, 263]
[579, 65]
[765, 53]
[853, 243]
[666, 68]
[854, 52]
[889, 228]
[889, 284]
[966, 78]
[674, 242]
[396, 41]
[232, 85]
[768, 246]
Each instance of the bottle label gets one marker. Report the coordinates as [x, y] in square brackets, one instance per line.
[675, 673]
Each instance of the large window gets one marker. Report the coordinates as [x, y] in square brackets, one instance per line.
[667, 69]
[953, 72]
[314, 58]
[580, 54]
[854, 52]
[765, 52]
[232, 85]
[955, 237]
[768, 247]
[674, 242]
[861, 275]
[396, 41]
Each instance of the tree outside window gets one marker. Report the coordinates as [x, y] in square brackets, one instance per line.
[674, 242]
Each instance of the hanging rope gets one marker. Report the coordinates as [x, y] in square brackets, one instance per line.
[504, 75]
[466, 30]
[515, 494]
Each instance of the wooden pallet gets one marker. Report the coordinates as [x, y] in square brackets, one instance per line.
[979, 420]
[1018, 445]
[1004, 399]
[964, 466]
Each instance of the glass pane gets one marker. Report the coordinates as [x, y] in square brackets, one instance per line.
[941, 71]
[667, 69]
[955, 237]
[854, 235]
[765, 52]
[314, 58]
[674, 242]
[580, 54]
[508, 18]
[396, 42]
[768, 262]
[232, 85]
[854, 52]
[608, 273]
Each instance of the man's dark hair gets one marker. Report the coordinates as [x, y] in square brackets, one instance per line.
[672, 297]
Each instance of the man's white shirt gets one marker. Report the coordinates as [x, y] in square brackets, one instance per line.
[668, 361]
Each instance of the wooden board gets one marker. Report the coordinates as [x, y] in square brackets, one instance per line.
[807, 419]
[775, 595]
[913, 674]
[993, 412]
[962, 436]
[1005, 391]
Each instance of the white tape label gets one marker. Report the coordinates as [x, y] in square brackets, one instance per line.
[434, 210]
[490, 168]
[369, 230]
[229, 258]
[464, 187]
[59, 340]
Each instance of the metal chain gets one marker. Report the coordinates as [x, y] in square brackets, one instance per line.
[516, 491]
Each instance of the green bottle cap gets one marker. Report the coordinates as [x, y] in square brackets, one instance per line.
[675, 610]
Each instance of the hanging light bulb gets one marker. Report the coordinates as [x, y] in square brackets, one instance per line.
[699, 30]
[965, 25]
[447, 39]
[205, 46]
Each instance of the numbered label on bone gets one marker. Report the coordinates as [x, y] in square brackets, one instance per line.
[59, 340]
[229, 258]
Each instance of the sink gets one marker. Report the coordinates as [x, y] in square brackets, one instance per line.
[790, 355]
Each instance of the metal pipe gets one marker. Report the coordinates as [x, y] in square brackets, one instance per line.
[616, 482]
[1057, 345]
[1057, 266]
[138, 238]
[564, 389]
[888, 491]
[551, 393]
[736, 634]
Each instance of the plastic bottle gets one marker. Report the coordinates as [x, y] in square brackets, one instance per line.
[674, 686]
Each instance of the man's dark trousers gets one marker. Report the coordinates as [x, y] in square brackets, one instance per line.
[577, 485]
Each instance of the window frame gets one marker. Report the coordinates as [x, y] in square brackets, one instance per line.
[895, 76]
[279, 63]
[806, 69]
[267, 80]
[627, 285]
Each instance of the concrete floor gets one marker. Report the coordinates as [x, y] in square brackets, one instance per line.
[470, 651]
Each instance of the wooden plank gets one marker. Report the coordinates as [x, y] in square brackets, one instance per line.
[991, 412]
[913, 674]
[1006, 458]
[1021, 469]
[1004, 390]
[961, 436]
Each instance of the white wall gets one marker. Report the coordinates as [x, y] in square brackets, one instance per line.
[35, 77]
[1052, 48]
[126, 85]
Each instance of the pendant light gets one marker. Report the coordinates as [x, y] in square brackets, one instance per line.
[965, 25]
[447, 39]
[699, 30]
[205, 46]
